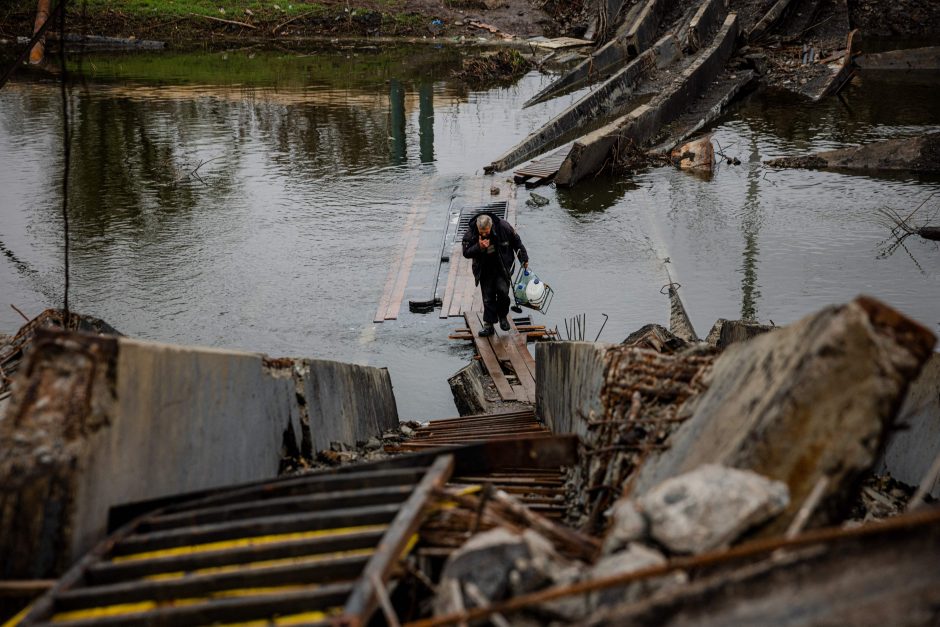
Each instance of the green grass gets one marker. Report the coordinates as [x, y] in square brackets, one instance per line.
[269, 68]
[225, 9]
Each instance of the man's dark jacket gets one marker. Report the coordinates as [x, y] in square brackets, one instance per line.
[503, 236]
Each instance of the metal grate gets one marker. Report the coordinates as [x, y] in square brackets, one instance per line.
[469, 213]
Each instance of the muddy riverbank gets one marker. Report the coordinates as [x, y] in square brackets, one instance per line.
[197, 24]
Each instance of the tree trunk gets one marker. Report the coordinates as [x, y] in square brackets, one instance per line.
[39, 50]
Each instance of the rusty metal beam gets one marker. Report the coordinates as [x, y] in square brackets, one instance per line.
[364, 599]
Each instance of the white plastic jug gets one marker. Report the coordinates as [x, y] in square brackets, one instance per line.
[534, 291]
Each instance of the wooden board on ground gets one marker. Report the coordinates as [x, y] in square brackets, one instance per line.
[507, 349]
[490, 361]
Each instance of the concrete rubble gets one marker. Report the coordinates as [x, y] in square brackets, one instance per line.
[670, 69]
[748, 440]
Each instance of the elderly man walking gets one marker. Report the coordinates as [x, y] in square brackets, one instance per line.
[492, 244]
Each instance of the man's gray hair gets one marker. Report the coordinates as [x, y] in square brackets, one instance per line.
[484, 222]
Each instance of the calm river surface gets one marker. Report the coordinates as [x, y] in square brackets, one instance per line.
[313, 161]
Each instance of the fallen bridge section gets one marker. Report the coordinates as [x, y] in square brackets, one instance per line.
[306, 549]
[595, 105]
[592, 153]
[99, 421]
[915, 154]
[632, 38]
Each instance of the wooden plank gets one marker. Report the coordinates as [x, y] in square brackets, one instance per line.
[489, 359]
[506, 349]
[456, 255]
[394, 269]
[364, 599]
[477, 303]
[521, 340]
[422, 205]
[459, 280]
[466, 301]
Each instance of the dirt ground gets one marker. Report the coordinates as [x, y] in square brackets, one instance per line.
[450, 19]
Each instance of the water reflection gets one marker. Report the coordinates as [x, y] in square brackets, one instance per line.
[750, 226]
[426, 121]
[594, 195]
[310, 168]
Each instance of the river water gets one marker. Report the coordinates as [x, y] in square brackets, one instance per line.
[308, 164]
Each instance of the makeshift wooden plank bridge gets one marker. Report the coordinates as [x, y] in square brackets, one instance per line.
[418, 267]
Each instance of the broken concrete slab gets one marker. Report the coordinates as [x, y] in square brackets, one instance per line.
[469, 390]
[568, 381]
[346, 403]
[680, 324]
[773, 14]
[927, 58]
[95, 422]
[707, 20]
[597, 104]
[710, 507]
[643, 30]
[591, 153]
[915, 443]
[724, 332]
[709, 107]
[606, 60]
[656, 337]
[811, 400]
[915, 154]
[884, 577]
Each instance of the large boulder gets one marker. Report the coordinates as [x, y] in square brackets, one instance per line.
[808, 401]
[710, 507]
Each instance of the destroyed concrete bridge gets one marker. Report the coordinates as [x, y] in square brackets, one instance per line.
[647, 476]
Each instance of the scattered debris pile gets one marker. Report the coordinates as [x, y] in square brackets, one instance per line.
[502, 66]
[715, 481]
[641, 398]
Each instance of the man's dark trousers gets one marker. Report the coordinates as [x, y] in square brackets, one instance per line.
[495, 288]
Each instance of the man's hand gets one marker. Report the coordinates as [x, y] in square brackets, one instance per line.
[526, 265]
[484, 243]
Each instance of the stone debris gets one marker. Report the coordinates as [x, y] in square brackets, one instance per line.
[811, 400]
[726, 332]
[627, 524]
[634, 557]
[710, 507]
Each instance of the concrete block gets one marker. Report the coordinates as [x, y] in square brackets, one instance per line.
[96, 422]
[568, 381]
[915, 443]
[346, 403]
